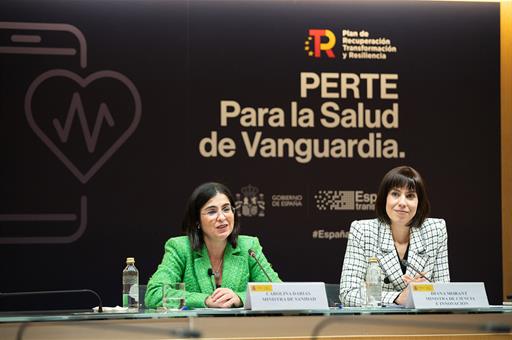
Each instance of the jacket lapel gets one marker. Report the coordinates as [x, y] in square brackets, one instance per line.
[201, 266]
[417, 257]
[388, 258]
[231, 269]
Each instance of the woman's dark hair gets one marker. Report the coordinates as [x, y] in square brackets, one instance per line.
[403, 177]
[197, 200]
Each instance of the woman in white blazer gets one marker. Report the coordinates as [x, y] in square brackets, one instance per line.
[400, 232]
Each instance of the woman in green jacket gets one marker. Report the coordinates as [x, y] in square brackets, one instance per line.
[213, 259]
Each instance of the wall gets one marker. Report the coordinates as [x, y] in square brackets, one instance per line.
[506, 142]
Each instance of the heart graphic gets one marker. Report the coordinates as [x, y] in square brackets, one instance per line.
[83, 83]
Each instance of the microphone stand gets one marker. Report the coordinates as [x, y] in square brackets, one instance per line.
[51, 292]
[253, 255]
[175, 333]
[486, 327]
[406, 263]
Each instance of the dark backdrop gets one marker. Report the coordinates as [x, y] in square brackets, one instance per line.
[69, 216]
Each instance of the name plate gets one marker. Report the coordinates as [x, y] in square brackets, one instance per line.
[286, 296]
[447, 295]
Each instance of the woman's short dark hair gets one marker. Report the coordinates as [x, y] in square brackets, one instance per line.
[403, 177]
[199, 197]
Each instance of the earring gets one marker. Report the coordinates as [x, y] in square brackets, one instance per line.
[198, 226]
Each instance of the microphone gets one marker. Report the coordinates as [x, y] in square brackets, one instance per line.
[50, 292]
[253, 255]
[212, 278]
[406, 263]
[386, 280]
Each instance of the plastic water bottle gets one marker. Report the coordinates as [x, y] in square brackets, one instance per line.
[373, 283]
[131, 285]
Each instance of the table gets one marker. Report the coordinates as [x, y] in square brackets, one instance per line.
[236, 324]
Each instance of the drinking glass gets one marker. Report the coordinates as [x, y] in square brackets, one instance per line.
[173, 296]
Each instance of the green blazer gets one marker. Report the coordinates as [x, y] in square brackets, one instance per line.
[182, 264]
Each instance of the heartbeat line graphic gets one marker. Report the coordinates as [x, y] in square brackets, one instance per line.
[76, 108]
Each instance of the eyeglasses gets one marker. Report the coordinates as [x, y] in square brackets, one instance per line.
[214, 213]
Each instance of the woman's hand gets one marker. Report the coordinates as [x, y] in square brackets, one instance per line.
[402, 298]
[223, 298]
[418, 278]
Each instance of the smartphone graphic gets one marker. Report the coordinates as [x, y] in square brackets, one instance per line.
[25, 38]
[49, 100]
[27, 50]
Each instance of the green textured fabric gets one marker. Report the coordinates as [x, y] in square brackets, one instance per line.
[181, 264]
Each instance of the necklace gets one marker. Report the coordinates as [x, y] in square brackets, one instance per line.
[216, 273]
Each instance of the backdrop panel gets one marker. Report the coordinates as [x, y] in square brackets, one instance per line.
[113, 111]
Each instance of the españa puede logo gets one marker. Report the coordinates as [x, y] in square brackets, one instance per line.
[318, 41]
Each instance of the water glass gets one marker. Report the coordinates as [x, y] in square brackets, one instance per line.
[173, 296]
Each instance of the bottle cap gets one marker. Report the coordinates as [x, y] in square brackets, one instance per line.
[130, 260]
[373, 259]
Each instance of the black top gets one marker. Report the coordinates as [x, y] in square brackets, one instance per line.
[404, 268]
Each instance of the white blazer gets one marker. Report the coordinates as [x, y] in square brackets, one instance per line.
[428, 253]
